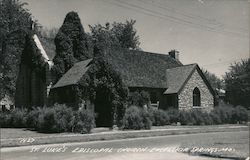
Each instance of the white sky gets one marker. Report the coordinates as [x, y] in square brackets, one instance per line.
[212, 33]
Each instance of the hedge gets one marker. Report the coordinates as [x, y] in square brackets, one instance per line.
[55, 119]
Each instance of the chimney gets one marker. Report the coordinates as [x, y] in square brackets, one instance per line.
[174, 54]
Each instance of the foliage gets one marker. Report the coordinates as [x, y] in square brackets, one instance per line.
[102, 78]
[83, 121]
[14, 119]
[186, 118]
[174, 115]
[71, 45]
[237, 82]
[55, 119]
[32, 117]
[216, 83]
[159, 117]
[139, 98]
[15, 22]
[136, 118]
[117, 35]
[239, 114]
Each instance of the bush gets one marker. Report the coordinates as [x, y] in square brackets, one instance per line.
[136, 118]
[5, 120]
[32, 117]
[159, 117]
[83, 121]
[55, 119]
[186, 118]
[239, 114]
[14, 119]
[174, 115]
[215, 118]
[139, 98]
[18, 118]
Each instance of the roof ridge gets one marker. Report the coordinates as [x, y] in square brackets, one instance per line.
[184, 65]
[147, 52]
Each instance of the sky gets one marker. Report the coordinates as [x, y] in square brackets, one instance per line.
[212, 33]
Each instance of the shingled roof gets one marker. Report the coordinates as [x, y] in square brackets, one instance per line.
[74, 74]
[177, 76]
[137, 68]
[142, 69]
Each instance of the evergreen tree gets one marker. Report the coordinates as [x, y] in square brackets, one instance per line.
[71, 45]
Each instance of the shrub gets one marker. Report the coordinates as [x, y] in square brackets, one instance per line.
[207, 119]
[136, 118]
[139, 98]
[186, 118]
[5, 120]
[55, 119]
[159, 117]
[215, 118]
[239, 114]
[174, 115]
[46, 121]
[32, 117]
[199, 117]
[83, 121]
[18, 118]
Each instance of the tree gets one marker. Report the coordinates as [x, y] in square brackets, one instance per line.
[215, 82]
[117, 35]
[101, 79]
[71, 45]
[15, 23]
[237, 82]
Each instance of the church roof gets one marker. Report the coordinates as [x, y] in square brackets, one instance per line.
[177, 76]
[74, 74]
[140, 69]
[137, 68]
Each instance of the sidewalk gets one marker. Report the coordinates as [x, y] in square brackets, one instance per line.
[33, 138]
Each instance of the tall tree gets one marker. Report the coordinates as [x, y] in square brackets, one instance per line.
[215, 81]
[237, 82]
[15, 22]
[117, 35]
[71, 45]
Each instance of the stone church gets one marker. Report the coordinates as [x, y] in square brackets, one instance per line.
[163, 76]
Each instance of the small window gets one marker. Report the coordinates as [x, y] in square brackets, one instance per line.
[196, 97]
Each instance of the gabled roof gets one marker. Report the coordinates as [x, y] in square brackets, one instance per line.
[137, 68]
[177, 76]
[74, 74]
[42, 51]
[49, 47]
[142, 69]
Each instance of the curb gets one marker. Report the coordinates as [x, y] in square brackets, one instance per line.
[116, 135]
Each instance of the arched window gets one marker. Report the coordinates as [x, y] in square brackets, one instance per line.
[196, 97]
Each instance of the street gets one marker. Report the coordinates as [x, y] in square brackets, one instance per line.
[150, 148]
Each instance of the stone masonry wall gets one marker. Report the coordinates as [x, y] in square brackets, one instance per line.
[185, 98]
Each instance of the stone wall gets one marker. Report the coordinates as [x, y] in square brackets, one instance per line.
[185, 98]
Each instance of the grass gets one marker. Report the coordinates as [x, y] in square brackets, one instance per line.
[11, 137]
